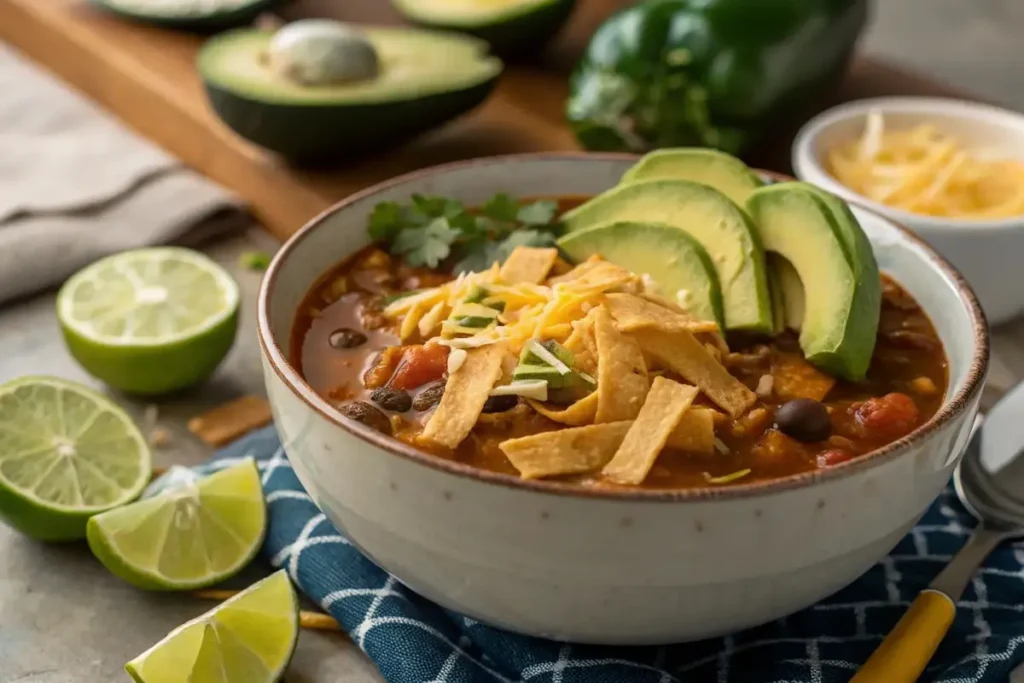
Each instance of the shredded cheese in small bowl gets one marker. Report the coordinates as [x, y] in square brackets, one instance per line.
[925, 170]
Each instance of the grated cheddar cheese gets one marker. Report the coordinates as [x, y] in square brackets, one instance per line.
[924, 170]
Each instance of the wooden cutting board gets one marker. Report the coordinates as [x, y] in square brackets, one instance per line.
[147, 78]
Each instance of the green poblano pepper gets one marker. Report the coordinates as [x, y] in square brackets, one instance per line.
[714, 73]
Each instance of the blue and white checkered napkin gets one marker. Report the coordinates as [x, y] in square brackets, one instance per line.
[412, 640]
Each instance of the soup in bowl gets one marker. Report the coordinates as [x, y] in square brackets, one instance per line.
[586, 398]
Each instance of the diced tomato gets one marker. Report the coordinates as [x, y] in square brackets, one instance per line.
[419, 365]
[833, 457]
[888, 417]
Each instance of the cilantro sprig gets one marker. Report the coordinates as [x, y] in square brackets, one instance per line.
[430, 231]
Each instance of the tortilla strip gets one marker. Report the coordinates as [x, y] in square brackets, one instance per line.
[681, 353]
[576, 272]
[579, 413]
[633, 313]
[566, 451]
[465, 393]
[794, 377]
[695, 432]
[601, 277]
[527, 264]
[622, 380]
[582, 345]
[715, 337]
[665, 406]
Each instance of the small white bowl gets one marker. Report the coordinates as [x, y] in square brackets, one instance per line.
[987, 252]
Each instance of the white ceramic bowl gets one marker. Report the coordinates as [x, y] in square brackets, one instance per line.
[606, 566]
[986, 252]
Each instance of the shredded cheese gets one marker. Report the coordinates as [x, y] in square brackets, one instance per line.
[455, 360]
[537, 389]
[548, 357]
[926, 171]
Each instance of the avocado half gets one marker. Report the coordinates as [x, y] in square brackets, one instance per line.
[511, 27]
[235, 15]
[426, 78]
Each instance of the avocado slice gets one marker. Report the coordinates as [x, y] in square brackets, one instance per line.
[722, 171]
[426, 78]
[711, 218]
[861, 257]
[188, 18]
[787, 293]
[674, 260]
[840, 314]
[511, 27]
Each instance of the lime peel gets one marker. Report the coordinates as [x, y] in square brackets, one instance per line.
[187, 537]
[66, 453]
[150, 321]
[250, 637]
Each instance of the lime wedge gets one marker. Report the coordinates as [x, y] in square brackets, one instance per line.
[247, 639]
[150, 321]
[66, 454]
[186, 537]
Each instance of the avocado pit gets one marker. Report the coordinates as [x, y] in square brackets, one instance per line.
[320, 52]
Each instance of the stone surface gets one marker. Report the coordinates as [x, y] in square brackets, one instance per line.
[63, 617]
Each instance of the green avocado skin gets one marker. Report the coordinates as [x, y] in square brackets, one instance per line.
[324, 134]
[211, 22]
[519, 36]
[712, 73]
[846, 347]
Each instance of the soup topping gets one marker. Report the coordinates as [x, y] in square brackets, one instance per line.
[654, 343]
[924, 170]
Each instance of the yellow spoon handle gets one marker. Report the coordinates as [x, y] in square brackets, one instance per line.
[905, 652]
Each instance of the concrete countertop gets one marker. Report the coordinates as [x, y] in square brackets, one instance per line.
[63, 617]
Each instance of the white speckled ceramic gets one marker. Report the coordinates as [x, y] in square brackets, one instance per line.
[551, 559]
[987, 252]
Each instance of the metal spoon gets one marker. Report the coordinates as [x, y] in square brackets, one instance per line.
[989, 481]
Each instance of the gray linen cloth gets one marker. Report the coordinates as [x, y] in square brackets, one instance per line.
[76, 185]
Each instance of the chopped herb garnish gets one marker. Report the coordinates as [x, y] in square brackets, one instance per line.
[432, 230]
[255, 260]
[726, 478]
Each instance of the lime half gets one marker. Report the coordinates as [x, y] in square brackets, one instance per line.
[66, 453]
[150, 321]
[247, 639]
[187, 537]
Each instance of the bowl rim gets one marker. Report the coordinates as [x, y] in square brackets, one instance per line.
[291, 377]
[804, 158]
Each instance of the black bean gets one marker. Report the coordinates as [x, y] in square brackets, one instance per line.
[392, 399]
[429, 397]
[499, 404]
[803, 419]
[361, 411]
[346, 338]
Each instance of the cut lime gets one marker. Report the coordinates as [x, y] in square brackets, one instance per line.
[186, 537]
[66, 454]
[247, 639]
[150, 321]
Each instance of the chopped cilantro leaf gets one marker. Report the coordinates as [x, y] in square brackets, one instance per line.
[478, 259]
[426, 246]
[501, 207]
[429, 230]
[386, 221]
[538, 213]
[255, 260]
